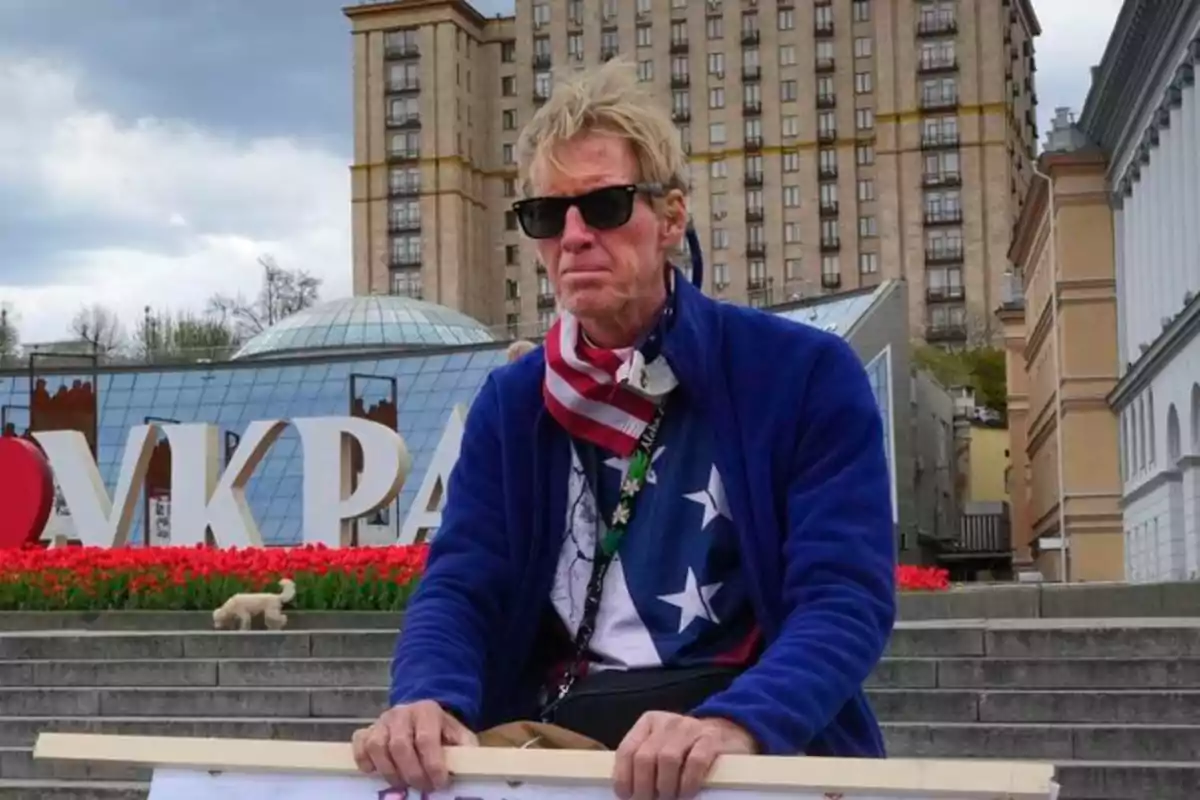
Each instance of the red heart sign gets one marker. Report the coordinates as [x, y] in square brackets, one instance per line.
[27, 488]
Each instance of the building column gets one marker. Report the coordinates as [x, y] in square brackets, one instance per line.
[1173, 547]
[1189, 467]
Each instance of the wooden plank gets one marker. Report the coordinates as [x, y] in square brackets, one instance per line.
[959, 779]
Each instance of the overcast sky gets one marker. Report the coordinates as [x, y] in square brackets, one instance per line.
[150, 150]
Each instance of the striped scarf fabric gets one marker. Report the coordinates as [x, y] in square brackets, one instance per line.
[582, 391]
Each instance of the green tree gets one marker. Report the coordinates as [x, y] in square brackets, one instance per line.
[982, 368]
[161, 336]
[10, 339]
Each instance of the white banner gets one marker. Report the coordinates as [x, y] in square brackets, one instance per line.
[172, 784]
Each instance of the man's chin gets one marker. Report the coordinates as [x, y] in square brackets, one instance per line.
[588, 302]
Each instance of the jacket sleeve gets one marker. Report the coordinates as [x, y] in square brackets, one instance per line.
[839, 567]
[442, 650]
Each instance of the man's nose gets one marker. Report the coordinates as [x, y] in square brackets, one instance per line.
[576, 234]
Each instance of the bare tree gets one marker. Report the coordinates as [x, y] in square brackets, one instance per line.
[100, 327]
[283, 293]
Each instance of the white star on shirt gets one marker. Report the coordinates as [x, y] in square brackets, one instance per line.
[693, 601]
[712, 498]
[622, 465]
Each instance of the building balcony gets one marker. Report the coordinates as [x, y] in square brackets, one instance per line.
[945, 332]
[939, 294]
[401, 51]
[679, 46]
[398, 87]
[404, 121]
[681, 115]
[756, 284]
[943, 216]
[404, 189]
[545, 300]
[750, 38]
[754, 214]
[753, 179]
[827, 172]
[826, 101]
[823, 65]
[751, 108]
[940, 140]
[827, 136]
[933, 65]
[405, 260]
[830, 244]
[933, 180]
[939, 102]
[936, 26]
[680, 81]
[540, 96]
[948, 254]
[404, 225]
[823, 30]
[608, 53]
[756, 250]
[981, 535]
[754, 143]
[829, 208]
[831, 281]
[751, 74]
[411, 154]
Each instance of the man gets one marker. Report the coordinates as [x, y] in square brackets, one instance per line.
[669, 528]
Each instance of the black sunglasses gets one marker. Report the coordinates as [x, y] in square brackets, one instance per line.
[602, 209]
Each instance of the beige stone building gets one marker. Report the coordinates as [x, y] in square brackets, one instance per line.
[1060, 328]
[833, 144]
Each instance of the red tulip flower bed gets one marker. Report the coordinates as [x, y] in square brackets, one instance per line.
[202, 578]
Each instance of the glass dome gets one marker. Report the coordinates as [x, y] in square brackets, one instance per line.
[357, 323]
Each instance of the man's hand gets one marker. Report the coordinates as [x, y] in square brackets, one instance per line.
[666, 756]
[405, 746]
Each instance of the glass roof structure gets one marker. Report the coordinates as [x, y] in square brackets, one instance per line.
[358, 323]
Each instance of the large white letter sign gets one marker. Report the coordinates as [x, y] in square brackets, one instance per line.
[425, 513]
[202, 497]
[329, 505]
[100, 521]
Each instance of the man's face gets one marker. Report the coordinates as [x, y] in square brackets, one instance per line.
[597, 272]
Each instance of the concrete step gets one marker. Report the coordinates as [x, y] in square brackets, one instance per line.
[1107, 707]
[1013, 639]
[1043, 742]
[18, 763]
[265, 672]
[915, 673]
[72, 790]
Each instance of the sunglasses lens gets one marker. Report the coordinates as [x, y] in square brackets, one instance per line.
[607, 208]
[603, 209]
[543, 217]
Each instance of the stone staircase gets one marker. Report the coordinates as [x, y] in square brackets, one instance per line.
[1114, 703]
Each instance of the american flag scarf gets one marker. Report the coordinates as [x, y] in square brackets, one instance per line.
[587, 389]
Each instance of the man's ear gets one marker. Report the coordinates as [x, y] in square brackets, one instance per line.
[675, 217]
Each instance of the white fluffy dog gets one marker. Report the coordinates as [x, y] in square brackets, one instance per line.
[242, 608]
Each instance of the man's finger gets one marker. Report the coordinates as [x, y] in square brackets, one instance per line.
[403, 752]
[623, 764]
[673, 749]
[378, 745]
[358, 746]
[430, 725]
[697, 766]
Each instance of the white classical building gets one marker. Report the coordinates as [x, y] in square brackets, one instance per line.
[1143, 110]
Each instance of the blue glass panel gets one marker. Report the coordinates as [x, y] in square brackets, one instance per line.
[172, 379]
[147, 380]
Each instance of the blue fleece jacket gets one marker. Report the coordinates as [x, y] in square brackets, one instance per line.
[799, 443]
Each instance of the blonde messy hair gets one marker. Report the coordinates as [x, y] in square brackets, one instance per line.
[607, 99]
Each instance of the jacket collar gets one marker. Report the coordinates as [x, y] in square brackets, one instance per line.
[690, 343]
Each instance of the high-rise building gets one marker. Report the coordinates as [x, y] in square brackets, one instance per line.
[834, 144]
